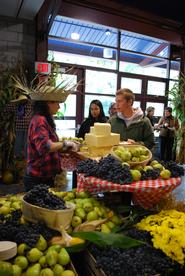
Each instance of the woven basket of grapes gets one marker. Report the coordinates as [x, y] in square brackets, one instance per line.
[51, 216]
[132, 154]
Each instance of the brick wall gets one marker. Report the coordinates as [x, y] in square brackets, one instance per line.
[17, 42]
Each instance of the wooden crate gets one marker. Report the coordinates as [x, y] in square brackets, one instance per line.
[91, 266]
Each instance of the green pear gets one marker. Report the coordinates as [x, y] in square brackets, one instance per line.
[4, 210]
[68, 273]
[158, 166]
[80, 213]
[105, 228]
[165, 174]
[56, 247]
[82, 195]
[136, 175]
[88, 207]
[17, 271]
[6, 268]
[58, 269]
[33, 270]
[110, 224]
[41, 243]
[63, 257]
[92, 216]
[115, 219]
[43, 262]
[21, 261]
[46, 272]
[21, 249]
[51, 257]
[76, 220]
[34, 255]
[16, 205]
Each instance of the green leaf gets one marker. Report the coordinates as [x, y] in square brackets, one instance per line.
[77, 247]
[108, 239]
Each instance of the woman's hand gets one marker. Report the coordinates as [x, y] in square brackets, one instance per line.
[70, 145]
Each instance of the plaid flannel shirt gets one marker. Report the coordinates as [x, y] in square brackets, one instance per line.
[41, 162]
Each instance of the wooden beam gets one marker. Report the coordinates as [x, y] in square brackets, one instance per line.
[44, 19]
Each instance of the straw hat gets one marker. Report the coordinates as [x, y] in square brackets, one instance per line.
[44, 92]
[20, 98]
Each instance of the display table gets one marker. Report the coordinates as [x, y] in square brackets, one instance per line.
[146, 193]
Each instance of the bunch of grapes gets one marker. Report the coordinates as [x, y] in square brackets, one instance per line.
[174, 168]
[150, 174]
[141, 260]
[108, 168]
[40, 196]
[28, 233]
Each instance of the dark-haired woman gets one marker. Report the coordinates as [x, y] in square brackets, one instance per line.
[43, 146]
[96, 115]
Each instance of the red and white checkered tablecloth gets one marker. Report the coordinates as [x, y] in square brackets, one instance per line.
[145, 193]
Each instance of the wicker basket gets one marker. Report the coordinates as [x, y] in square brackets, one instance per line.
[52, 218]
[131, 163]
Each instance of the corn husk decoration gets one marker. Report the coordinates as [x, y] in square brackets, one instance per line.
[43, 91]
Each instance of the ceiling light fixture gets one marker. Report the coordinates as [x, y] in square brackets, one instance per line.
[107, 32]
[75, 36]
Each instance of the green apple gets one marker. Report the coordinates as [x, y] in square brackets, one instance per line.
[16, 205]
[147, 168]
[76, 220]
[153, 162]
[165, 174]
[4, 210]
[110, 224]
[135, 159]
[21, 261]
[158, 166]
[136, 175]
[92, 215]
[143, 157]
[135, 152]
[34, 255]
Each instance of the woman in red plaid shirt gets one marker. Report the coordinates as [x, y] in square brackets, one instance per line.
[43, 145]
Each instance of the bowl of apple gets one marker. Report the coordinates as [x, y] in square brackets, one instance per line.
[132, 154]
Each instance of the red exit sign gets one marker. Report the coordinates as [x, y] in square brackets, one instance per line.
[42, 68]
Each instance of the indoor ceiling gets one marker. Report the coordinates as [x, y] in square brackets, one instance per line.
[22, 9]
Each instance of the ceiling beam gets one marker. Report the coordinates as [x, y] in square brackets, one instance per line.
[159, 49]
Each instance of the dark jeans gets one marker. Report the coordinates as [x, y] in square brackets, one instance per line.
[166, 148]
[31, 181]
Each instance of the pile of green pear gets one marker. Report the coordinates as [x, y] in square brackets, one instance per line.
[38, 261]
[132, 154]
[9, 203]
[154, 164]
[89, 209]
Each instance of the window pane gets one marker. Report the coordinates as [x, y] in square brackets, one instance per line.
[65, 128]
[159, 108]
[156, 88]
[143, 65]
[171, 84]
[100, 82]
[105, 100]
[144, 44]
[69, 107]
[132, 84]
[136, 104]
[66, 79]
[90, 55]
[175, 69]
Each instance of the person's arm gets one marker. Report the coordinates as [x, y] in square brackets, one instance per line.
[63, 146]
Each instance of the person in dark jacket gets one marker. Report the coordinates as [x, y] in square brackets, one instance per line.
[96, 115]
[150, 114]
[167, 126]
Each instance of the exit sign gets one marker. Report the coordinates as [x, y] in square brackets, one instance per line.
[43, 68]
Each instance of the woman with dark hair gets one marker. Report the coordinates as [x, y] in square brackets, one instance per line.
[43, 145]
[96, 115]
[167, 126]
